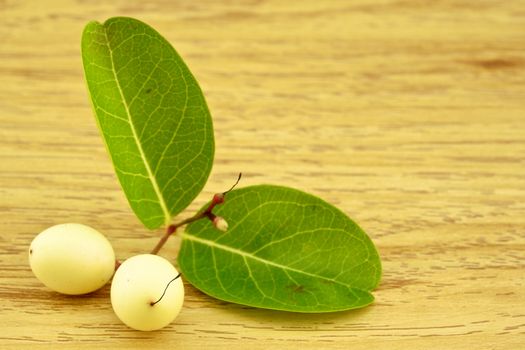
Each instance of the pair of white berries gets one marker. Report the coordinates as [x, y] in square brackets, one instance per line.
[76, 259]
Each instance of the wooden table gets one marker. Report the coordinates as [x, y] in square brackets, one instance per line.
[407, 115]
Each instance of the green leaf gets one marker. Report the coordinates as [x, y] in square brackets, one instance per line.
[285, 250]
[152, 114]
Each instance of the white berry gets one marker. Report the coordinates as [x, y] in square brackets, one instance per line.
[137, 292]
[72, 258]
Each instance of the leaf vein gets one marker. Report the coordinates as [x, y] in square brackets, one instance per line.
[134, 132]
[215, 245]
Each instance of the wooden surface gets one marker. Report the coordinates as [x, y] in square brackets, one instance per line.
[408, 115]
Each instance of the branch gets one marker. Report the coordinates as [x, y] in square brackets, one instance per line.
[218, 222]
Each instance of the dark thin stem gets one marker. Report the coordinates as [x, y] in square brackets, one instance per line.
[235, 184]
[165, 289]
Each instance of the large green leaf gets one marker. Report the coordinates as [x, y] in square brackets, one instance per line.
[152, 114]
[285, 250]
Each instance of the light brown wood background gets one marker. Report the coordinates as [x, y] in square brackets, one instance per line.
[408, 115]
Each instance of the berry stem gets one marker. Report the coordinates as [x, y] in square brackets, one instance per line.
[217, 199]
[165, 289]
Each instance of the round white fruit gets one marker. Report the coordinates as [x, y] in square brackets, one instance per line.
[145, 293]
[72, 258]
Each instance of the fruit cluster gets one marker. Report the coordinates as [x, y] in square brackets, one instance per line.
[146, 291]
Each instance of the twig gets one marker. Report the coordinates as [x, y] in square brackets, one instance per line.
[218, 198]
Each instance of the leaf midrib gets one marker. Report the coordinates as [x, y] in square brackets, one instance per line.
[245, 255]
[151, 177]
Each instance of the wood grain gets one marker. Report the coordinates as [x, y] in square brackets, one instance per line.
[408, 115]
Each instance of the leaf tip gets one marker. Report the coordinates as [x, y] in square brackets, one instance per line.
[90, 26]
